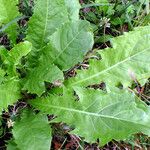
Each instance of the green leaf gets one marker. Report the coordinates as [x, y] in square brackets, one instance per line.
[12, 58]
[9, 93]
[68, 45]
[126, 62]
[45, 72]
[48, 16]
[32, 132]
[65, 49]
[8, 13]
[98, 115]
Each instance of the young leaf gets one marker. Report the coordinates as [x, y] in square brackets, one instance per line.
[129, 56]
[9, 93]
[12, 58]
[98, 115]
[8, 13]
[32, 132]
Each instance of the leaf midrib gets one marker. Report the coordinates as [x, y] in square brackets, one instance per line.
[46, 20]
[90, 113]
[99, 73]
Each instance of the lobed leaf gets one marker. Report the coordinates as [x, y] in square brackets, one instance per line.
[98, 115]
[126, 62]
